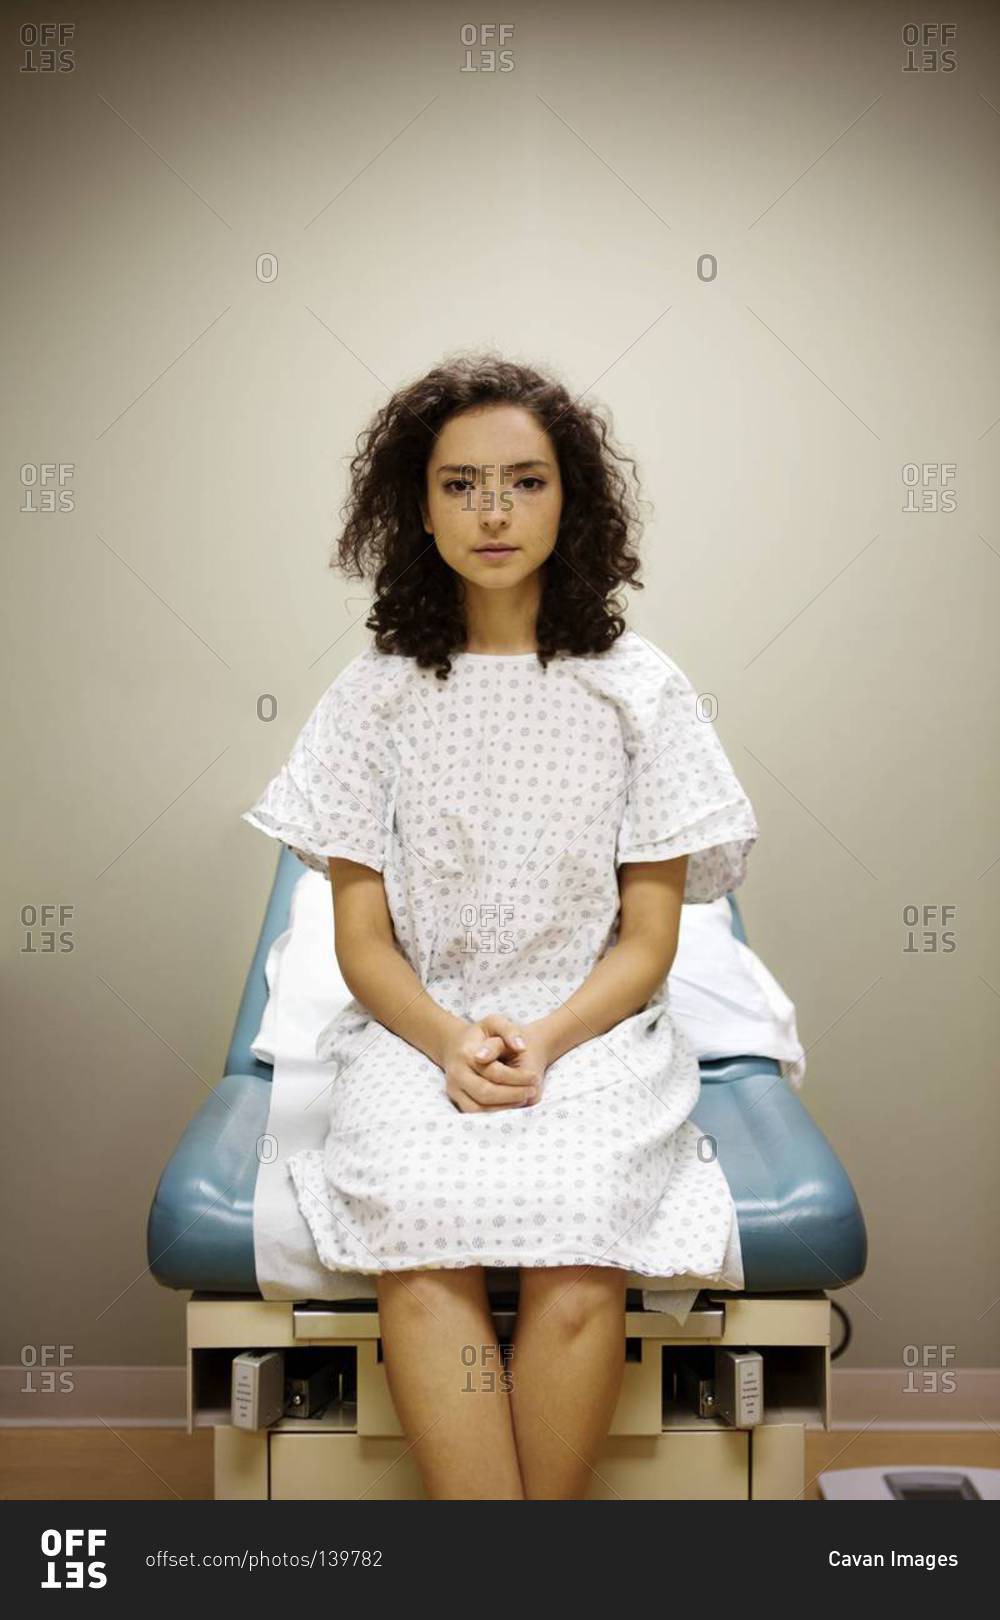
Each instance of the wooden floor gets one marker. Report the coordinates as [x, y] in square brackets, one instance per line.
[169, 1464]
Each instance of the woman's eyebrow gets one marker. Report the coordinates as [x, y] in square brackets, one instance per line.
[515, 466]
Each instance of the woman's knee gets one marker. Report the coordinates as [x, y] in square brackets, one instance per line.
[572, 1297]
[421, 1289]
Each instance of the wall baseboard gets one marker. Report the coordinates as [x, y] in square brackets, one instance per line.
[891, 1398]
[87, 1397]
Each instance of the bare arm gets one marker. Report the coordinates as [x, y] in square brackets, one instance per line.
[382, 980]
[374, 969]
[621, 983]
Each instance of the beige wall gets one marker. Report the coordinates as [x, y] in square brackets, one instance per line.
[558, 211]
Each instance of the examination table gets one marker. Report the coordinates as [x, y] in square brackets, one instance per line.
[801, 1232]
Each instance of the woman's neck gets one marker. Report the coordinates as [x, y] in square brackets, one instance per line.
[502, 621]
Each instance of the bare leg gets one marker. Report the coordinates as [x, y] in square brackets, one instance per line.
[445, 1378]
[567, 1370]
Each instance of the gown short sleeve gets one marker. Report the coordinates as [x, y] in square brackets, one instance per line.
[682, 795]
[334, 794]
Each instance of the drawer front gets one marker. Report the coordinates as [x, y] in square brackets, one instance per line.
[682, 1466]
[710, 1466]
[778, 1454]
[342, 1467]
[669, 1468]
[240, 1464]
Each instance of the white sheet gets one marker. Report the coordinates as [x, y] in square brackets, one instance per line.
[285, 1255]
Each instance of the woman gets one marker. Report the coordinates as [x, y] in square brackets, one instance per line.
[511, 793]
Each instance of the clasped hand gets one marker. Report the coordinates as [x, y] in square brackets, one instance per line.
[493, 1064]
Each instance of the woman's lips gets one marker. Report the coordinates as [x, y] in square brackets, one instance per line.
[494, 553]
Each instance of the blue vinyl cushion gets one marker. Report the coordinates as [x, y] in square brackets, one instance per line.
[800, 1224]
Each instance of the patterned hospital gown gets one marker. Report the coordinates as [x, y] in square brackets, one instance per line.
[498, 804]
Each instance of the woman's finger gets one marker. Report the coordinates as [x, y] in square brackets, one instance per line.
[498, 1024]
[488, 1094]
[504, 1074]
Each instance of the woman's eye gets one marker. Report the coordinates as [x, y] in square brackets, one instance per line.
[460, 485]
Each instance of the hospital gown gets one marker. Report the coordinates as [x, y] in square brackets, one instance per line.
[497, 805]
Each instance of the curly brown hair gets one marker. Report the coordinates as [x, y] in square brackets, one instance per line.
[418, 608]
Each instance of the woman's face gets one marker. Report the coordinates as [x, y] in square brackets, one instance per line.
[494, 495]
